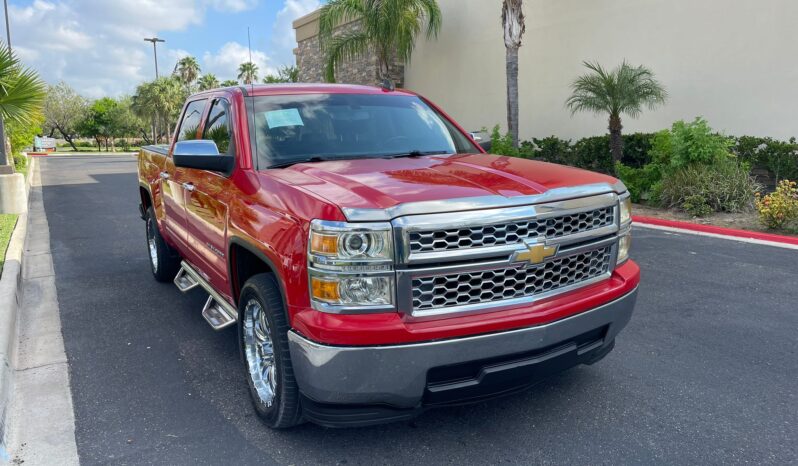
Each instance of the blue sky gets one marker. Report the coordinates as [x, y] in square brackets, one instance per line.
[97, 46]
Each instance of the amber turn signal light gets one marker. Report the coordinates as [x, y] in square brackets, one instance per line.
[323, 244]
[325, 290]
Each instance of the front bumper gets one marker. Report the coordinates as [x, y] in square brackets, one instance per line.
[411, 376]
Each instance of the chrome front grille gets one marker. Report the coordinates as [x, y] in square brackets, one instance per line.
[478, 236]
[516, 281]
[495, 258]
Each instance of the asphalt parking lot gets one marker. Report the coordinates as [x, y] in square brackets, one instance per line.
[705, 373]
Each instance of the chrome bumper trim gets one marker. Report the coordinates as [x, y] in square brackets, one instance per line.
[397, 374]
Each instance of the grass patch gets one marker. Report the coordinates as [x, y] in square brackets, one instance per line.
[7, 222]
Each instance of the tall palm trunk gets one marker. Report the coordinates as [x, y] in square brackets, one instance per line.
[512, 93]
[616, 140]
[514, 27]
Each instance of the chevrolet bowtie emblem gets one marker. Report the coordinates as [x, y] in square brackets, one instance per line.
[536, 252]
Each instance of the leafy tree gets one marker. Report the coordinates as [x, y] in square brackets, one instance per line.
[286, 74]
[623, 90]
[228, 83]
[388, 30]
[21, 95]
[108, 119]
[124, 122]
[21, 135]
[63, 110]
[96, 121]
[514, 27]
[248, 72]
[187, 70]
[208, 81]
[161, 101]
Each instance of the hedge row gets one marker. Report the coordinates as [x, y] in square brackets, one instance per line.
[779, 158]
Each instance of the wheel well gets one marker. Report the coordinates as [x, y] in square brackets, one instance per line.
[146, 202]
[245, 264]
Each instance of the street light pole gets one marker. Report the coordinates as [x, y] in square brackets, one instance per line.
[154, 41]
[5, 165]
[8, 28]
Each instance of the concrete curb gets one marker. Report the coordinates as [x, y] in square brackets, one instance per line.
[10, 301]
[718, 232]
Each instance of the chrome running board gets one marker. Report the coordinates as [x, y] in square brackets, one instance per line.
[217, 311]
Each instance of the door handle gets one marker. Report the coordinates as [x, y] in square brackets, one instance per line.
[165, 175]
[188, 186]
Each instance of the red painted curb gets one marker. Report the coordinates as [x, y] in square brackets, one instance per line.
[717, 230]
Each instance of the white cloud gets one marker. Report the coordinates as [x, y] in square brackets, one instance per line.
[234, 6]
[283, 36]
[224, 63]
[96, 45]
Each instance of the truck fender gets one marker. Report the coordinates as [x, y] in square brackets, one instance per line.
[257, 252]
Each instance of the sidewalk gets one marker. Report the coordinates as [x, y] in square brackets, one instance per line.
[41, 428]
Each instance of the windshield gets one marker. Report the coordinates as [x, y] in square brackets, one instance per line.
[296, 128]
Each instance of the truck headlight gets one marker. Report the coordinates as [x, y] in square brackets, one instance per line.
[625, 234]
[352, 291]
[331, 241]
[626, 210]
[624, 243]
[351, 267]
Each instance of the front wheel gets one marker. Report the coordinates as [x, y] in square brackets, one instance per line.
[264, 334]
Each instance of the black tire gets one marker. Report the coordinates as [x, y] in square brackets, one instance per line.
[165, 263]
[284, 410]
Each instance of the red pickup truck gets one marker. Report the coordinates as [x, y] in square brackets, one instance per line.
[375, 260]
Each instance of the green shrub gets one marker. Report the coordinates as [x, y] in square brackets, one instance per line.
[696, 205]
[643, 183]
[551, 149]
[695, 143]
[593, 153]
[20, 163]
[636, 149]
[502, 144]
[780, 208]
[725, 186]
[778, 157]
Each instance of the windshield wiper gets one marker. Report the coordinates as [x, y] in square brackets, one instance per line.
[415, 153]
[315, 158]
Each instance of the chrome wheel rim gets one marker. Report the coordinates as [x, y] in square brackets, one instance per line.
[153, 248]
[259, 351]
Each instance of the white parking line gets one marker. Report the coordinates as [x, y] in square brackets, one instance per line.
[715, 235]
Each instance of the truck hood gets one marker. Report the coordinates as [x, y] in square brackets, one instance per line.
[385, 183]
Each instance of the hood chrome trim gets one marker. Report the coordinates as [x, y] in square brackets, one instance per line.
[478, 203]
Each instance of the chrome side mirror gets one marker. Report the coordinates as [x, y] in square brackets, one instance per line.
[201, 154]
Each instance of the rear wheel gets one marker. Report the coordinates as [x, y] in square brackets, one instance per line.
[164, 261]
[264, 335]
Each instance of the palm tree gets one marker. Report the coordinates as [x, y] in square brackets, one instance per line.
[514, 27]
[187, 70]
[388, 30]
[624, 90]
[160, 100]
[229, 83]
[21, 95]
[248, 72]
[208, 81]
[286, 74]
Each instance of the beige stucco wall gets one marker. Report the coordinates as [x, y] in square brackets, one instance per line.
[733, 61]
